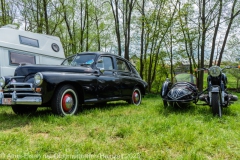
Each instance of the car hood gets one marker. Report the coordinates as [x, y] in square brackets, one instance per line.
[32, 69]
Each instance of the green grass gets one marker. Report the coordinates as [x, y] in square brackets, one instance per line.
[122, 131]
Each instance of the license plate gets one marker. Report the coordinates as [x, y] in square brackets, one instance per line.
[7, 101]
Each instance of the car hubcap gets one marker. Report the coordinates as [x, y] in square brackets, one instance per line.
[135, 97]
[67, 102]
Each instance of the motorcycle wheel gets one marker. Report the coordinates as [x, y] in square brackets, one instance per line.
[216, 107]
[165, 104]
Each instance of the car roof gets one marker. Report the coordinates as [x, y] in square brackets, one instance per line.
[101, 53]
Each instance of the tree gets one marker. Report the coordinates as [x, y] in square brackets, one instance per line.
[142, 20]
[189, 35]
[234, 14]
[115, 10]
[8, 12]
[215, 32]
[127, 15]
[158, 26]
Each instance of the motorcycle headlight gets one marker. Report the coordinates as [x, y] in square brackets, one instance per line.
[2, 82]
[214, 71]
[38, 79]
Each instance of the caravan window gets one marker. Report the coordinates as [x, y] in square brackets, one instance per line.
[28, 41]
[17, 58]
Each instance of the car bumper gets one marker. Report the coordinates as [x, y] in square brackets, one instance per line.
[15, 93]
[33, 99]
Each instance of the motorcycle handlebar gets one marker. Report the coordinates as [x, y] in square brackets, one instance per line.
[227, 67]
[200, 69]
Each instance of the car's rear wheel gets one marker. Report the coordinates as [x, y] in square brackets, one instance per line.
[136, 98]
[20, 110]
[65, 101]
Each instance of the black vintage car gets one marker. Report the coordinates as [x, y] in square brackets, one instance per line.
[90, 77]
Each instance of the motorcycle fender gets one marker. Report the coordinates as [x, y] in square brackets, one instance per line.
[215, 89]
[164, 89]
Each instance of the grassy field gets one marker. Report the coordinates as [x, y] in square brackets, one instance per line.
[122, 131]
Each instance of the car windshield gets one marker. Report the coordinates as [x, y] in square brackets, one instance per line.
[185, 77]
[79, 60]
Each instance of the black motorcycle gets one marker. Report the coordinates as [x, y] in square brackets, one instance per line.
[183, 90]
[216, 94]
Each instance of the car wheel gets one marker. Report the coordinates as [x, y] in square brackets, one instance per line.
[216, 107]
[65, 101]
[136, 97]
[20, 110]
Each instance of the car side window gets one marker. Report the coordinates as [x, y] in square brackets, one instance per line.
[105, 62]
[122, 66]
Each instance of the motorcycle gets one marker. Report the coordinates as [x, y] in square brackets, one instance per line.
[184, 90]
[216, 94]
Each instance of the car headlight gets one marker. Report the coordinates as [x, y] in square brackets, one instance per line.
[214, 71]
[2, 82]
[38, 79]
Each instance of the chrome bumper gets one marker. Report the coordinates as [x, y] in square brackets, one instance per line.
[11, 91]
[33, 99]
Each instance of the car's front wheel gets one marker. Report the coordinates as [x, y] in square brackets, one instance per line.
[65, 101]
[136, 98]
[20, 110]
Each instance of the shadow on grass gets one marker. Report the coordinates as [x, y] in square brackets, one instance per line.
[176, 110]
[46, 111]
[199, 109]
[104, 106]
[8, 119]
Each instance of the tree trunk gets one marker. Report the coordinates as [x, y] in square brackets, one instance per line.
[128, 15]
[215, 34]
[204, 30]
[72, 42]
[46, 15]
[3, 12]
[233, 15]
[142, 38]
[87, 25]
[117, 26]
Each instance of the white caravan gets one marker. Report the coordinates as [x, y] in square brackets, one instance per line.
[19, 47]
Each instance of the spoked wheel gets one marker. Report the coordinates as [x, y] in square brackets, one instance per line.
[65, 101]
[136, 97]
[216, 107]
[20, 110]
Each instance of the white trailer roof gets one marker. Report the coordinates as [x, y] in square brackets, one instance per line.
[31, 42]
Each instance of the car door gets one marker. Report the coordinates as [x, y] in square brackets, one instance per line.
[125, 75]
[108, 82]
